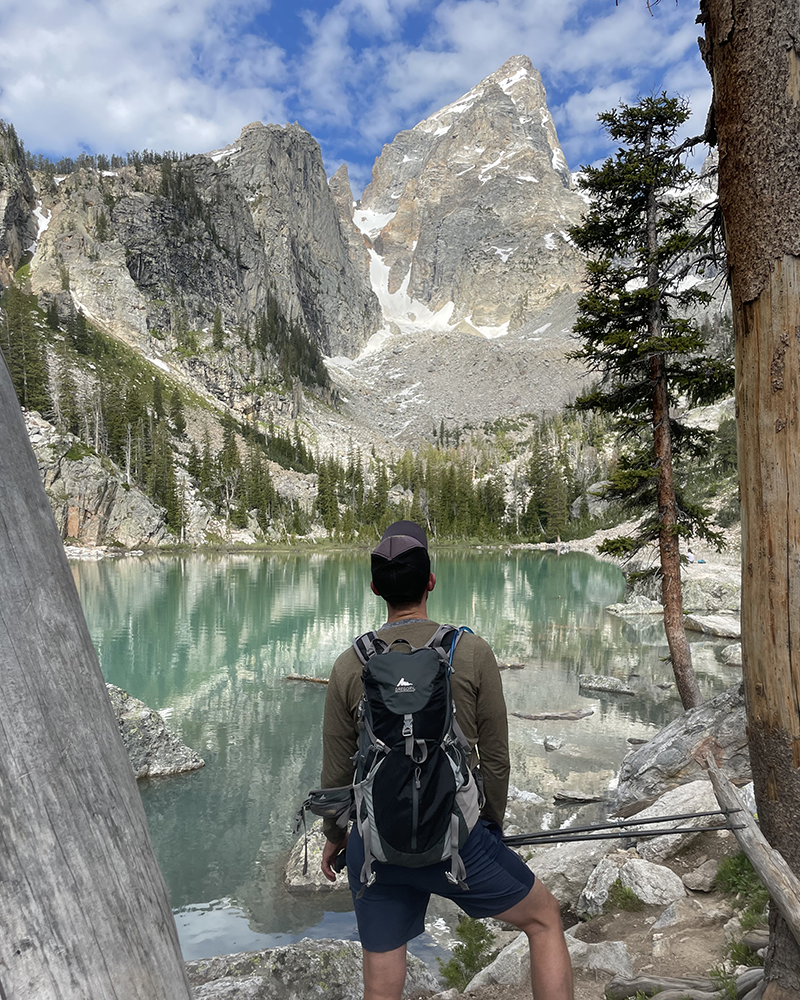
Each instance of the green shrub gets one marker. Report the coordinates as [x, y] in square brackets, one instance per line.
[470, 955]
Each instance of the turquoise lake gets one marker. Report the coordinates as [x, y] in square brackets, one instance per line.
[209, 639]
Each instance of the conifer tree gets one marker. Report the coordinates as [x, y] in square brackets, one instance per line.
[639, 243]
[217, 332]
[176, 412]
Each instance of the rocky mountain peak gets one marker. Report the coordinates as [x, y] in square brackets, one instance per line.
[18, 226]
[467, 213]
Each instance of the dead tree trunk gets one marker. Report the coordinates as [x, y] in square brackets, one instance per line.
[83, 907]
[752, 50]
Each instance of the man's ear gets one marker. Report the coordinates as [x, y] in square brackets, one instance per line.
[431, 583]
[373, 588]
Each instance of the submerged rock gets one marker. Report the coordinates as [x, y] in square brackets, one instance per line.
[153, 750]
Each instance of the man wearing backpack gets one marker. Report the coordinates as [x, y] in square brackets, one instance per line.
[484, 876]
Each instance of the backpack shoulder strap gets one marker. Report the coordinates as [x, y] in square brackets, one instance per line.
[445, 639]
[368, 645]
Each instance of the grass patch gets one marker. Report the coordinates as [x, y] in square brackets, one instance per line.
[737, 876]
[77, 451]
[620, 897]
[742, 954]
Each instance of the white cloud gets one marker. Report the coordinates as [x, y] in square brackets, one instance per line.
[188, 74]
[115, 75]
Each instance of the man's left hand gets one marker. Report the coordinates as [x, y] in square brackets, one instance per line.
[329, 854]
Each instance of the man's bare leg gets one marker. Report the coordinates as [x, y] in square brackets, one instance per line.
[384, 974]
[538, 915]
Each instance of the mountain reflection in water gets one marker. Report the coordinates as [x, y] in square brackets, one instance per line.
[212, 637]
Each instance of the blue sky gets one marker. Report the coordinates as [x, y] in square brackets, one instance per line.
[115, 75]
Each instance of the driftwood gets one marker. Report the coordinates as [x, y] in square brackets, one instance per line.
[621, 989]
[308, 680]
[574, 716]
[772, 869]
[511, 666]
[566, 796]
[666, 988]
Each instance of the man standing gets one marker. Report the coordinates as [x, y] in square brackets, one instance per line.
[392, 910]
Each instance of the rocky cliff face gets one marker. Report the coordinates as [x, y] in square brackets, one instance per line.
[467, 212]
[155, 250]
[18, 224]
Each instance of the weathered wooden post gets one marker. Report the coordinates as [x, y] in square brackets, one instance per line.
[83, 907]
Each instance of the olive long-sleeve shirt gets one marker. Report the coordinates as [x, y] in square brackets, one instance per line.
[480, 712]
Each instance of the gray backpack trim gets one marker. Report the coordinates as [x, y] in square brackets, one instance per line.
[467, 802]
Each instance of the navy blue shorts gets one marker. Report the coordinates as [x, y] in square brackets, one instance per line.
[392, 909]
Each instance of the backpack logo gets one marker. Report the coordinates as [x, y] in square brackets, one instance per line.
[404, 687]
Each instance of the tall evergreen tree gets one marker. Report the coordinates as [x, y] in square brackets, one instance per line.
[638, 242]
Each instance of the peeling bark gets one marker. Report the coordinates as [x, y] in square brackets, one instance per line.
[752, 50]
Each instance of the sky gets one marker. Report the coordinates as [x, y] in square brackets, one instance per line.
[109, 76]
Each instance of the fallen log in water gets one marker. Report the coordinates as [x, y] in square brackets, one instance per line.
[308, 680]
[574, 716]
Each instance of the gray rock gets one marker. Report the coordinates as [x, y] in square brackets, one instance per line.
[673, 756]
[604, 956]
[710, 595]
[512, 967]
[732, 655]
[153, 750]
[595, 682]
[702, 879]
[248, 988]
[653, 884]
[723, 625]
[297, 971]
[691, 912]
[594, 897]
[638, 604]
[697, 796]
[313, 881]
[565, 868]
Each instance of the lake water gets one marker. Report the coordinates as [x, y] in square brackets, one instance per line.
[209, 639]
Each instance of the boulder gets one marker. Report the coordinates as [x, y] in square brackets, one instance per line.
[702, 879]
[153, 750]
[726, 626]
[594, 897]
[675, 756]
[603, 956]
[512, 967]
[698, 796]
[294, 972]
[313, 881]
[711, 594]
[653, 884]
[732, 655]
[638, 604]
[565, 868]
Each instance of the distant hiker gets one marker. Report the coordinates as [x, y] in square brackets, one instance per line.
[475, 868]
[690, 556]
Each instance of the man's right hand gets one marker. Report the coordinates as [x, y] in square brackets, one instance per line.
[329, 854]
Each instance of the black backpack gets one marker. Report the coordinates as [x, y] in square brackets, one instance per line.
[416, 800]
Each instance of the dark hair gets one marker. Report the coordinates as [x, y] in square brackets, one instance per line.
[402, 581]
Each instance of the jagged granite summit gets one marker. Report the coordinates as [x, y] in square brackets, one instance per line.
[467, 213]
